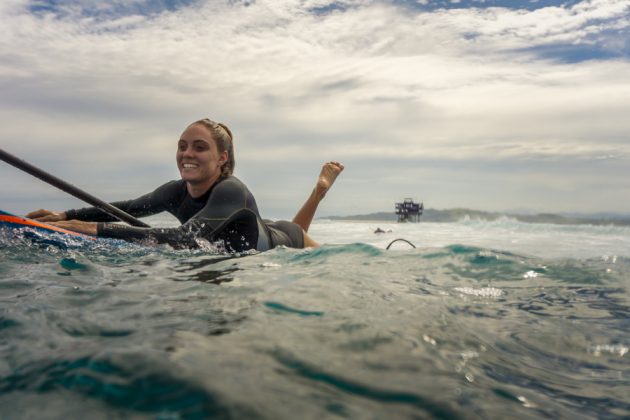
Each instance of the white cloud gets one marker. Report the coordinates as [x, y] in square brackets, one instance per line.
[366, 82]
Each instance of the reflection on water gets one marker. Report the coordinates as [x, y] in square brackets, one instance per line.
[203, 269]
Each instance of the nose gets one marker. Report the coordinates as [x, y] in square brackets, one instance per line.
[187, 152]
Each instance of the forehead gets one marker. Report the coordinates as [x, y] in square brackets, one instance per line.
[197, 132]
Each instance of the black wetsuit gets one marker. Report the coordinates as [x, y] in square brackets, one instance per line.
[227, 212]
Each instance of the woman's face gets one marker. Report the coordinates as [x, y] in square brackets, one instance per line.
[198, 158]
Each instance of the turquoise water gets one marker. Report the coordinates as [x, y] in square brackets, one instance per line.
[481, 320]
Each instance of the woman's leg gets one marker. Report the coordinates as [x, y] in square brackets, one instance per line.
[327, 177]
[309, 242]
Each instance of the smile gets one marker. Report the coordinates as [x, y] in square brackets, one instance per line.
[189, 165]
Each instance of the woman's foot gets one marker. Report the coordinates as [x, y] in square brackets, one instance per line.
[327, 177]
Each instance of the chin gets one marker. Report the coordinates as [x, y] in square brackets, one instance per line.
[196, 178]
[187, 177]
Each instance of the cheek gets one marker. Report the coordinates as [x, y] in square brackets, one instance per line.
[209, 157]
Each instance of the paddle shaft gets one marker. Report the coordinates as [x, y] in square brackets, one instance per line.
[70, 189]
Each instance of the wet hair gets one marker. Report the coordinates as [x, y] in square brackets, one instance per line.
[222, 137]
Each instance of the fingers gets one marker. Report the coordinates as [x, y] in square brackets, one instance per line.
[54, 217]
[43, 215]
[38, 213]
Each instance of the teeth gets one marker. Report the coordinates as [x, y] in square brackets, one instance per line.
[189, 166]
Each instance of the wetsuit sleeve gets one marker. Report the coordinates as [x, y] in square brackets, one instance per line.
[176, 237]
[146, 205]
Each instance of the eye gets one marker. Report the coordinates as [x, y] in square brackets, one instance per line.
[181, 146]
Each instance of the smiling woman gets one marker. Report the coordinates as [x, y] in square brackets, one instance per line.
[204, 153]
[208, 200]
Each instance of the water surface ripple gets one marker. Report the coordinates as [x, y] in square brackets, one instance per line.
[348, 330]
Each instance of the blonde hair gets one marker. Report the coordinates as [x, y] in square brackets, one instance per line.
[222, 137]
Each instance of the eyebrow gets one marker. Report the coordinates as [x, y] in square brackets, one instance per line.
[194, 141]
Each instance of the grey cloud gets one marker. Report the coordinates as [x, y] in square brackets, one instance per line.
[340, 85]
[407, 102]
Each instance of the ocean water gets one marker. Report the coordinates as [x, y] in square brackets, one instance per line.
[481, 320]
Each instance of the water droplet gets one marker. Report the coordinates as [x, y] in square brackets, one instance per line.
[526, 402]
[270, 265]
[429, 340]
[469, 354]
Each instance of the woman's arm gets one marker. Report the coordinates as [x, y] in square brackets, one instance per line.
[88, 228]
[178, 237]
[146, 205]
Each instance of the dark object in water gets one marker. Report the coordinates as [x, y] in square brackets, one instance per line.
[409, 211]
[379, 230]
[399, 239]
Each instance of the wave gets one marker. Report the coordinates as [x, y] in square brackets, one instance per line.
[143, 389]
[510, 221]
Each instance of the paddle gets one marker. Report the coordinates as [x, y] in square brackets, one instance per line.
[71, 189]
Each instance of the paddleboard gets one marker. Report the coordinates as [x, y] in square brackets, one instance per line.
[11, 221]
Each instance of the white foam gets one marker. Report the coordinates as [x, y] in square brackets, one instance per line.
[483, 292]
[609, 348]
[270, 265]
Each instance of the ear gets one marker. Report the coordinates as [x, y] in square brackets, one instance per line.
[223, 158]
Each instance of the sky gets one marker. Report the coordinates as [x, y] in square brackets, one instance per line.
[496, 105]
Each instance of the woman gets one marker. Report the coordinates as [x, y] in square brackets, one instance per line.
[209, 201]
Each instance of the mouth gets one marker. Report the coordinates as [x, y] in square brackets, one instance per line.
[189, 166]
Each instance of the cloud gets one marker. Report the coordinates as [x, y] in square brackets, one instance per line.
[301, 82]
